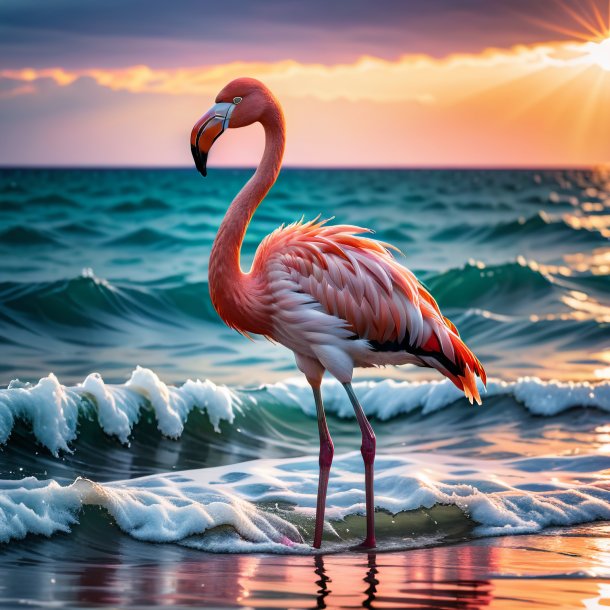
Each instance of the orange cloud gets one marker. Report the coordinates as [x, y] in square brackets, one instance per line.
[418, 78]
[543, 104]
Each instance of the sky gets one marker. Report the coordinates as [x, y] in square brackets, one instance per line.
[388, 83]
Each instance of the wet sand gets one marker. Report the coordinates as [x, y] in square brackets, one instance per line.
[556, 569]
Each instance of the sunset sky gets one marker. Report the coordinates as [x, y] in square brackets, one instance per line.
[413, 83]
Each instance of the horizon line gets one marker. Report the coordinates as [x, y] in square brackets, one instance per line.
[423, 167]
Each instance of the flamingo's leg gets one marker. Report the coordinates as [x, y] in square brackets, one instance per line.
[368, 455]
[327, 451]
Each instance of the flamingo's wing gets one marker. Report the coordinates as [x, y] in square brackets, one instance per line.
[356, 279]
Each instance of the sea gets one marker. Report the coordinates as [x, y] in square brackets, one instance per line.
[151, 455]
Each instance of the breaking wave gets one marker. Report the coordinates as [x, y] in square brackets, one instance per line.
[53, 410]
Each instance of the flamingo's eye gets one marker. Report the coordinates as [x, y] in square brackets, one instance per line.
[236, 100]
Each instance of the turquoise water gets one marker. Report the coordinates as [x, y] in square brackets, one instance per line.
[105, 270]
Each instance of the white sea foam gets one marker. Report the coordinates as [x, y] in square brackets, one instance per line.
[390, 398]
[52, 409]
[228, 508]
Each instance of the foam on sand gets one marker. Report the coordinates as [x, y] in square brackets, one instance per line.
[269, 505]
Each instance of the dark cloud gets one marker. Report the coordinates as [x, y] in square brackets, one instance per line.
[109, 33]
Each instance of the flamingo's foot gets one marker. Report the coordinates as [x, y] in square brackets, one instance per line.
[366, 545]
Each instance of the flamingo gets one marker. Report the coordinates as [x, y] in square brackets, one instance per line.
[333, 295]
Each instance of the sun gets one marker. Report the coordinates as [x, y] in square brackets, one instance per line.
[589, 23]
[599, 54]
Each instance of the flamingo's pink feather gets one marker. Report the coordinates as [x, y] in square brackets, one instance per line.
[356, 279]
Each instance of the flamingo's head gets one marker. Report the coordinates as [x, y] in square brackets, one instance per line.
[242, 102]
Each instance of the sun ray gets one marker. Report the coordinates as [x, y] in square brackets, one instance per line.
[587, 116]
[590, 12]
[587, 15]
[545, 89]
[579, 60]
[598, 16]
[559, 29]
[596, 32]
[579, 19]
[544, 92]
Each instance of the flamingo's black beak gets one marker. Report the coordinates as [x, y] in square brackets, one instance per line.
[207, 130]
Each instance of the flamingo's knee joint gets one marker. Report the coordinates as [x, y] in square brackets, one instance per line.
[367, 449]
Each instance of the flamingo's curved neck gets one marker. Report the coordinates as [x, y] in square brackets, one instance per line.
[231, 289]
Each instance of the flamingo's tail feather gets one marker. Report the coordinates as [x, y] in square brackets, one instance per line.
[469, 386]
[462, 367]
[470, 368]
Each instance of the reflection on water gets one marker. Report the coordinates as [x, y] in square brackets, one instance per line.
[567, 571]
[372, 580]
[323, 582]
